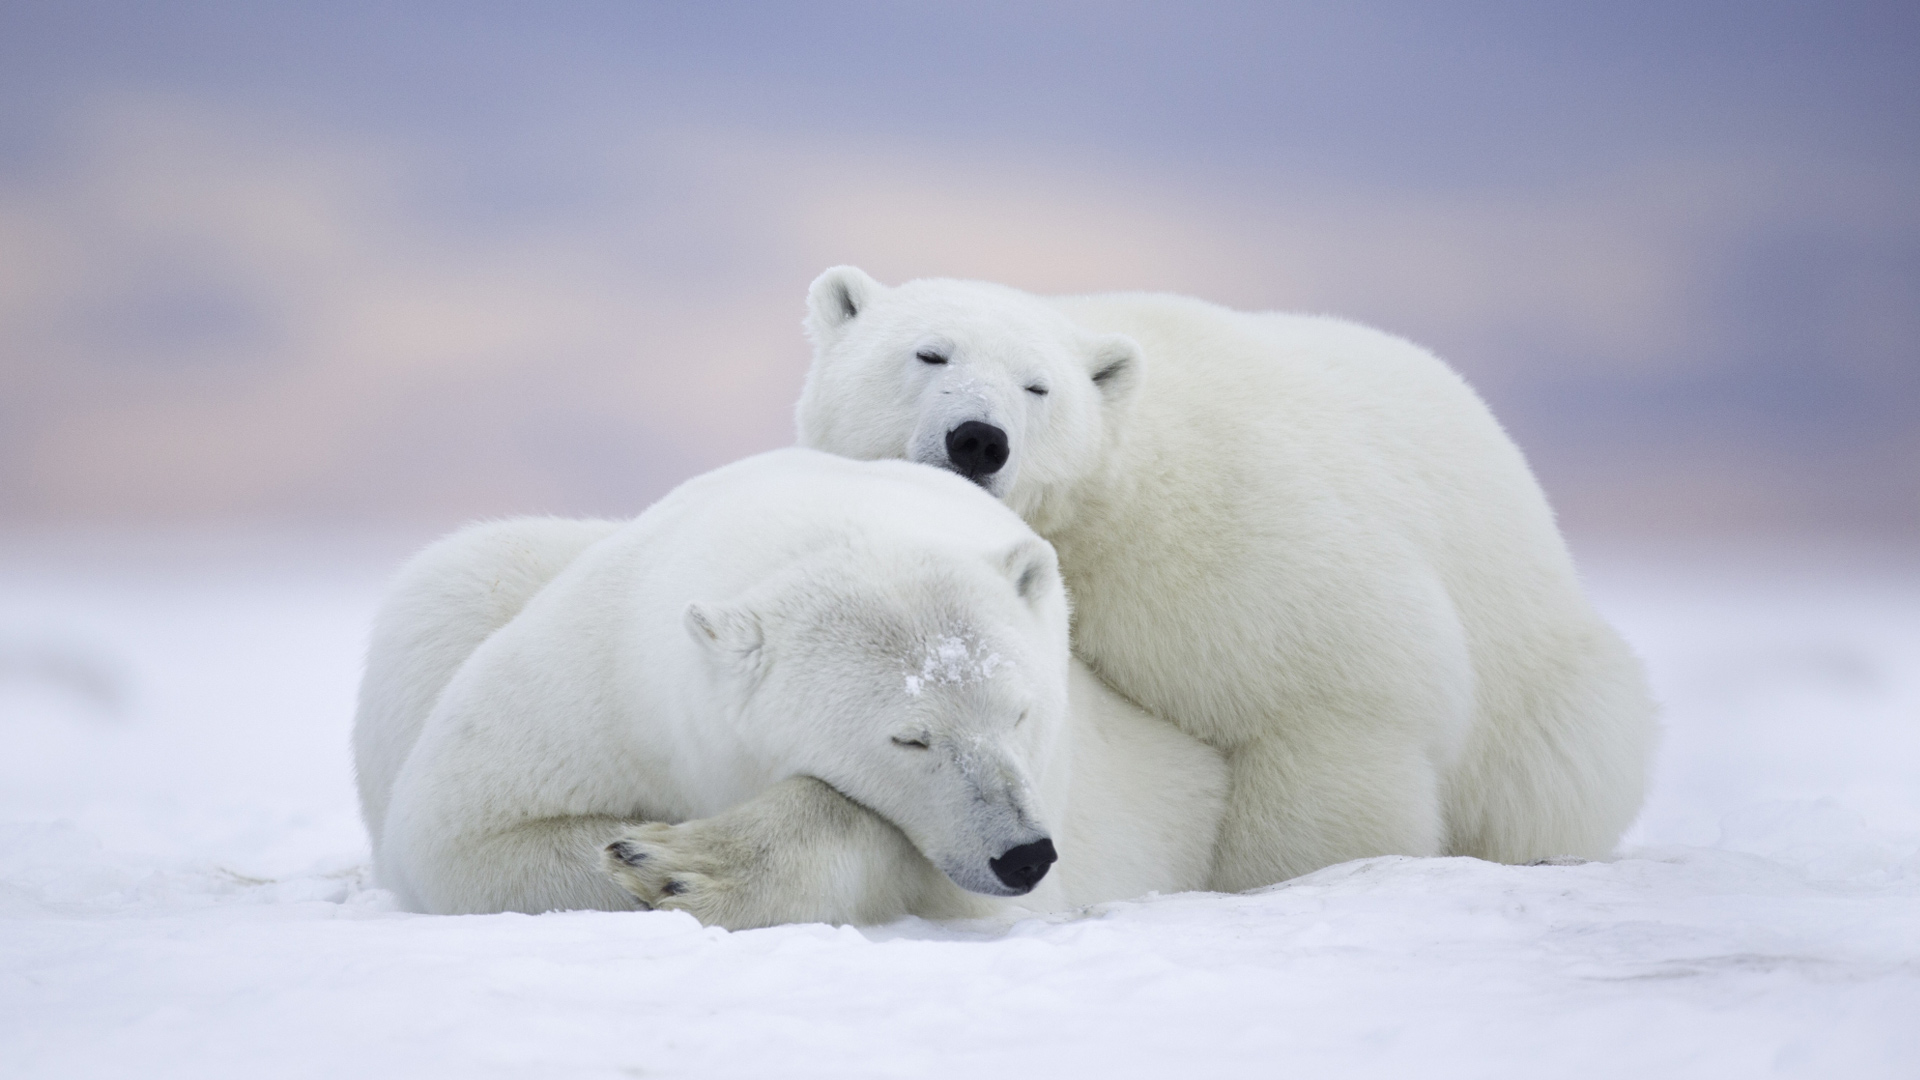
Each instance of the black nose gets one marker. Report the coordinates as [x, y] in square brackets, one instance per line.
[1021, 868]
[977, 449]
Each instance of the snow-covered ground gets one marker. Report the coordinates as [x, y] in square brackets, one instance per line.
[183, 888]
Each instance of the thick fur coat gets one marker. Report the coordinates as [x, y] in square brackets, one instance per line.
[1305, 542]
[797, 688]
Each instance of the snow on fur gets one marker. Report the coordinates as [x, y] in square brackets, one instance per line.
[954, 661]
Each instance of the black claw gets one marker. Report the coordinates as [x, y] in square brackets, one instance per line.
[673, 888]
[626, 853]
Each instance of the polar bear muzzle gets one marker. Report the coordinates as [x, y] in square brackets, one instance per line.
[977, 450]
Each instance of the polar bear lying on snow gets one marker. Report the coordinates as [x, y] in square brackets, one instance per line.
[798, 688]
[1305, 542]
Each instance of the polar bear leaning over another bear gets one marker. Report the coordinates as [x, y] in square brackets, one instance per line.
[798, 688]
[1305, 542]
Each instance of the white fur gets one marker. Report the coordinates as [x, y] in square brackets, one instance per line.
[797, 688]
[1305, 542]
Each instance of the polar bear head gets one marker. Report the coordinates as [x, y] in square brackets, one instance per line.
[985, 380]
[928, 685]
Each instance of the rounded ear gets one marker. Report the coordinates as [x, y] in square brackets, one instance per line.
[730, 633]
[1033, 568]
[1114, 362]
[835, 299]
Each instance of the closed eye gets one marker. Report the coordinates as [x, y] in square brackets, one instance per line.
[927, 356]
[910, 744]
[1037, 390]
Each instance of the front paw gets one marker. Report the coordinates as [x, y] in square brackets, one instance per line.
[677, 868]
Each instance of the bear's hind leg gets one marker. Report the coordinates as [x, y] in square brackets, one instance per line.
[798, 852]
[1292, 810]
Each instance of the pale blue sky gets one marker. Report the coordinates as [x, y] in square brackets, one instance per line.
[425, 261]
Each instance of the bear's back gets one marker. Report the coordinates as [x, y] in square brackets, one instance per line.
[1319, 393]
[740, 523]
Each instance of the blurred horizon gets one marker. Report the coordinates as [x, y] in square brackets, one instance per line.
[410, 264]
